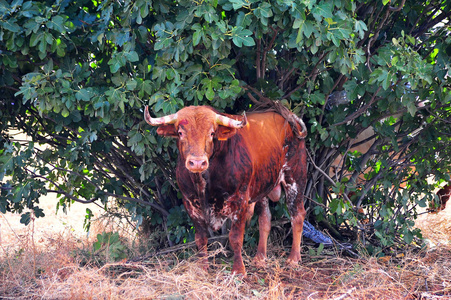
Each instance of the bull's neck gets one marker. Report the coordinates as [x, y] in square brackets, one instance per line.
[199, 182]
[200, 185]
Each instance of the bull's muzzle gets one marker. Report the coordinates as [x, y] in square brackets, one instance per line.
[196, 164]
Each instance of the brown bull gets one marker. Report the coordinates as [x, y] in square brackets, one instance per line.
[229, 165]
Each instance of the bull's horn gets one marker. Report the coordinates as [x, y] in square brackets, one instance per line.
[229, 122]
[169, 119]
[304, 128]
[303, 133]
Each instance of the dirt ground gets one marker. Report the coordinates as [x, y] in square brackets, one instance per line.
[13, 232]
[436, 227]
[38, 262]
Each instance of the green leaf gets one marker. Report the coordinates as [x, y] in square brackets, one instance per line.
[242, 37]
[10, 61]
[243, 40]
[323, 10]
[57, 23]
[25, 218]
[9, 25]
[360, 27]
[38, 212]
[298, 23]
[308, 28]
[317, 98]
[122, 37]
[197, 35]
[60, 47]
[408, 236]
[131, 84]
[83, 94]
[411, 108]
[132, 56]
[264, 10]
[35, 39]
[335, 206]
[135, 137]
[210, 93]
[237, 4]
[115, 65]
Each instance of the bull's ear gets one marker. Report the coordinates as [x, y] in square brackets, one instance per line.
[167, 130]
[223, 132]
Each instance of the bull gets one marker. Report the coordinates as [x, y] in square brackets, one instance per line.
[229, 165]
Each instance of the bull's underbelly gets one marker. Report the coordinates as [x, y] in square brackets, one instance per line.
[212, 216]
[216, 220]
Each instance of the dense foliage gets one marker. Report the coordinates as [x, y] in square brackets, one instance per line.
[75, 75]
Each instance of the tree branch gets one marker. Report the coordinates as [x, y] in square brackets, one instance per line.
[361, 110]
[394, 9]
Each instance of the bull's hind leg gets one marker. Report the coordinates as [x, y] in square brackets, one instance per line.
[295, 203]
[264, 226]
[294, 185]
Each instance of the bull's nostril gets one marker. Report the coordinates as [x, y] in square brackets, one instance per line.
[204, 164]
[191, 163]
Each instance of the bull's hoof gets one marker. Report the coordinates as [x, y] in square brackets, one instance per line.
[203, 263]
[239, 270]
[293, 260]
[203, 266]
[259, 261]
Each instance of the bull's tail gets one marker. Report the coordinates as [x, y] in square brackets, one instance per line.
[294, 121]
[299, 134]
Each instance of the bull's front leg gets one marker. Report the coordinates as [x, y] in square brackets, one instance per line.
[236, 236]
[201, 239]
[200, 227]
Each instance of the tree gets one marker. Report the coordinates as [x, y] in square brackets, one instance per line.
[75, 76]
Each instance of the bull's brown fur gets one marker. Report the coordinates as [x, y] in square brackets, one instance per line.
[224, 173]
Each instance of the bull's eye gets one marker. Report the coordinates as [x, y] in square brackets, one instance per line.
[180, 134]
[212, 134]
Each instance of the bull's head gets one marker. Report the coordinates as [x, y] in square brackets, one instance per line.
[196, 127]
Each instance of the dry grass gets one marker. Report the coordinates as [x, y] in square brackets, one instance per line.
[56, 267]
[54, 273]
[436, 227]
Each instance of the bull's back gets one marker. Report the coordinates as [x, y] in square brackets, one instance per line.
[267, 138]
[265, 135]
